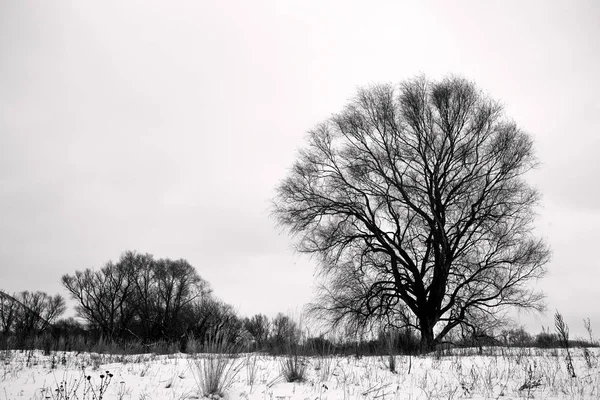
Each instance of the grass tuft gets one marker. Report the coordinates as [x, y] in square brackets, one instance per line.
[293, 368]
[215, 370]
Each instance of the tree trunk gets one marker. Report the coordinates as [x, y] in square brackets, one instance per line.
[428, 342]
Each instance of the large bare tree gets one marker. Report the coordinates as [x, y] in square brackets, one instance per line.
[414, 201]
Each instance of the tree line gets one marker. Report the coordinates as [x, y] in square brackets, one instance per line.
[140, 298]
[143, 300]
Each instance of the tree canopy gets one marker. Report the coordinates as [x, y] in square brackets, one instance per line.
[414, 202]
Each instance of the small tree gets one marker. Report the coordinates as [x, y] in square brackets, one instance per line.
[285, 333]
[258, 326]
[8, 310]
[104, 298]
[209, 318]
[414, 201]
[177, 286]
[519, 337]
[29, 313]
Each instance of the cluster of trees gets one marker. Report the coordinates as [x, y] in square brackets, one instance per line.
[26, 314]
[142, 300]
[274, 335]
[140, 297]
[519, 337]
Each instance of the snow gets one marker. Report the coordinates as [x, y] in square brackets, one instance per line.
[496, 373]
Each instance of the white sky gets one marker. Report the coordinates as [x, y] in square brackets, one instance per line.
[164, 127]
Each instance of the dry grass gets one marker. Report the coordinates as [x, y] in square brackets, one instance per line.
[293, 368]
[215, 370]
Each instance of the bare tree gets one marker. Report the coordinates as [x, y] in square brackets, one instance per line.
[285, 331]
[137, 296]
[38, 311]
[26, 312]
[414, 202]
[104, 297]
[212, 318]
[145, 298]
[258, 326]
[178, 285]
[8, 310]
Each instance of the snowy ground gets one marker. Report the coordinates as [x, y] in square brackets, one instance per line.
[496, 374]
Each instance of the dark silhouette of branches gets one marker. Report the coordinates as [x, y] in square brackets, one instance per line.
[258, 327]
[27, 313]
[137, 296]
[414, 202]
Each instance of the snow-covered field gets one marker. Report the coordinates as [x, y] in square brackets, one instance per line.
[498, 373]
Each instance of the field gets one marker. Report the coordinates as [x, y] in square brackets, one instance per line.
[489, 373]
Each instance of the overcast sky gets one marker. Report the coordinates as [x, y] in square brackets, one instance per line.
[164, 127]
